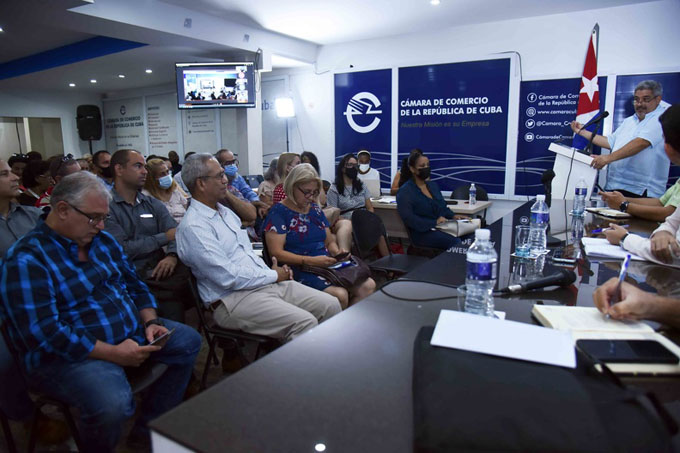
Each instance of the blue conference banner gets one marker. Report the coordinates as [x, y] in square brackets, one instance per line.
[546, 107]
[363, 119]
[623, 102]
[457, 113]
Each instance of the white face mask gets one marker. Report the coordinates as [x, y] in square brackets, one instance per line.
[364, 167]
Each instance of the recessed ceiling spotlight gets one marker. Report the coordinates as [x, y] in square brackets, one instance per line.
[1, 30]
[149, 71]
[71, 84]
[93, 80]
[121, 76]
[434, 2]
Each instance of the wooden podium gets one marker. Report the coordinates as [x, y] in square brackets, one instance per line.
[565, 157]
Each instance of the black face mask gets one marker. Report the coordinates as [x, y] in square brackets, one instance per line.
[351, 172]
[107, 172]
[424, 173]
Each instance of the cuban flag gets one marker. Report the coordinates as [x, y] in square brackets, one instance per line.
[589, 95]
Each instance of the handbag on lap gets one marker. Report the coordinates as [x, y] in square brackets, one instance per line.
[347, 277]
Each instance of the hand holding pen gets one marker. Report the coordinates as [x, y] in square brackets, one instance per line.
[614, 233]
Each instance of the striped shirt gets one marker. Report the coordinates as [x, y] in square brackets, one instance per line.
[57, 307]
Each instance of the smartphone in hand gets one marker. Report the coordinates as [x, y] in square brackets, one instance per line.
[342, 256]
[161, 339]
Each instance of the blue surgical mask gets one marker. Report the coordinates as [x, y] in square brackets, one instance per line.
[231, 170]
[165, 182]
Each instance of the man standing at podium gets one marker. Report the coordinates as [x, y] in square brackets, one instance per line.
[637, 165]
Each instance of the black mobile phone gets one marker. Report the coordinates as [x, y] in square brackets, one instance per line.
[160, 338]
[627, 351]
[342, 256]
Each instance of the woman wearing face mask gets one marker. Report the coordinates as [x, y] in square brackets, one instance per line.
[422, 207]
[298, 233]
[159, 184]
[348, 192]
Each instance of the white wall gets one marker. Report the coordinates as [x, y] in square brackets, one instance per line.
[50, 104]
[638, 38]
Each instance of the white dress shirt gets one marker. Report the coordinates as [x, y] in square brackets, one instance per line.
[212, 243]
[642, 246]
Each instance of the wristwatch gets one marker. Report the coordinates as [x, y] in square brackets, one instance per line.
[171, 254]
[623, 239]
[623, 207]
[156, 321]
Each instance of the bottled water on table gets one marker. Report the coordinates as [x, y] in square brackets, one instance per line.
[580, 197]
[473, 194]
[540, 218]
[481, 275]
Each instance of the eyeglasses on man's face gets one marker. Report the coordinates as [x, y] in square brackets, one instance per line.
[218, 176]
[92, 220]
[644, 100]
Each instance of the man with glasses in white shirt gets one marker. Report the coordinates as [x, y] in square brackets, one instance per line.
[637, 166]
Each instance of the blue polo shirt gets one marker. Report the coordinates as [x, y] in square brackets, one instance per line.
[648, 169]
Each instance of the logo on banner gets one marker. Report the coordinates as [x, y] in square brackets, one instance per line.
[122, 110]
[363, 104]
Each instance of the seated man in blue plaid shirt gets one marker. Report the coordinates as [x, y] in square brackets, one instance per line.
[77, 314]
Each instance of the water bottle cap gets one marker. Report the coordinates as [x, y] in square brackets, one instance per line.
[540, 197]
[483, 234]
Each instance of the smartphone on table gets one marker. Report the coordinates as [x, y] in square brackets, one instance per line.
[628, 351]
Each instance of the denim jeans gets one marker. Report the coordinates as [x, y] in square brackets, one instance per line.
[101, 392]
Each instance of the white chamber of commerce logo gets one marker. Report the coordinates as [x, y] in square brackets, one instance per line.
[363, 104]
[122, 110]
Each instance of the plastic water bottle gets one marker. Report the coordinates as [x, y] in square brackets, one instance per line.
[473, 194]
[580, 197]
[481, 275]
[540, 218]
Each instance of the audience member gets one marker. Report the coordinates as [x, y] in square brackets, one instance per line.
[85, 163]
[422, 207]
[18, 162]
[161, 186]
[79, 314]
[349, 193]
[146, 231]
[287, 161]
[308, 157]
[230, 164]
[59, 167]
[637, 165]
[235, 283]
[366, 173]
[36, 180]
[174, 160]
[298, 233]
[636, 304]
[15, 219]
[101, 160]
[266, 190]
[663, 245]
[404, 174]
[178, 176]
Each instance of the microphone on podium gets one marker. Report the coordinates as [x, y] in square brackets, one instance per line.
[563, 278]
[595, 120]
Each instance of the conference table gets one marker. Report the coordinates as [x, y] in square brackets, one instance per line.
[386, 208]
[346, 386]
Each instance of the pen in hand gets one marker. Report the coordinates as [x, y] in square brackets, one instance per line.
[616, 297]
[601, 230]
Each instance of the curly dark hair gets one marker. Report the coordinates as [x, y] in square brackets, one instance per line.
[357, 185]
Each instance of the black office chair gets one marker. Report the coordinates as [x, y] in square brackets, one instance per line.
[367, 229]
[139, 378]
[215, 334]
[254, 180]
[463, 193]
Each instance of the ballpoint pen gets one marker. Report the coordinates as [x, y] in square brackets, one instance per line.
[616, 297]
[600, 230]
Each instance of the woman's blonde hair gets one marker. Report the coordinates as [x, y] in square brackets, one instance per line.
[151, 184]
[299, 175]
[284, 160]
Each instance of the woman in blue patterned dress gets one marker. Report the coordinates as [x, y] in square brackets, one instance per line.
[297, 233]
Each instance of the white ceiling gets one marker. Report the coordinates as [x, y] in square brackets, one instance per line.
[33, 26]
[331, 21]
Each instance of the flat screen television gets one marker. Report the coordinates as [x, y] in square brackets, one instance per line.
[211, 85]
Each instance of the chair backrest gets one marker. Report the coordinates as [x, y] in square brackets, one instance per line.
[254, 180]
[266, 256]
[463, 193]
[367, 229]
[200, 307]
